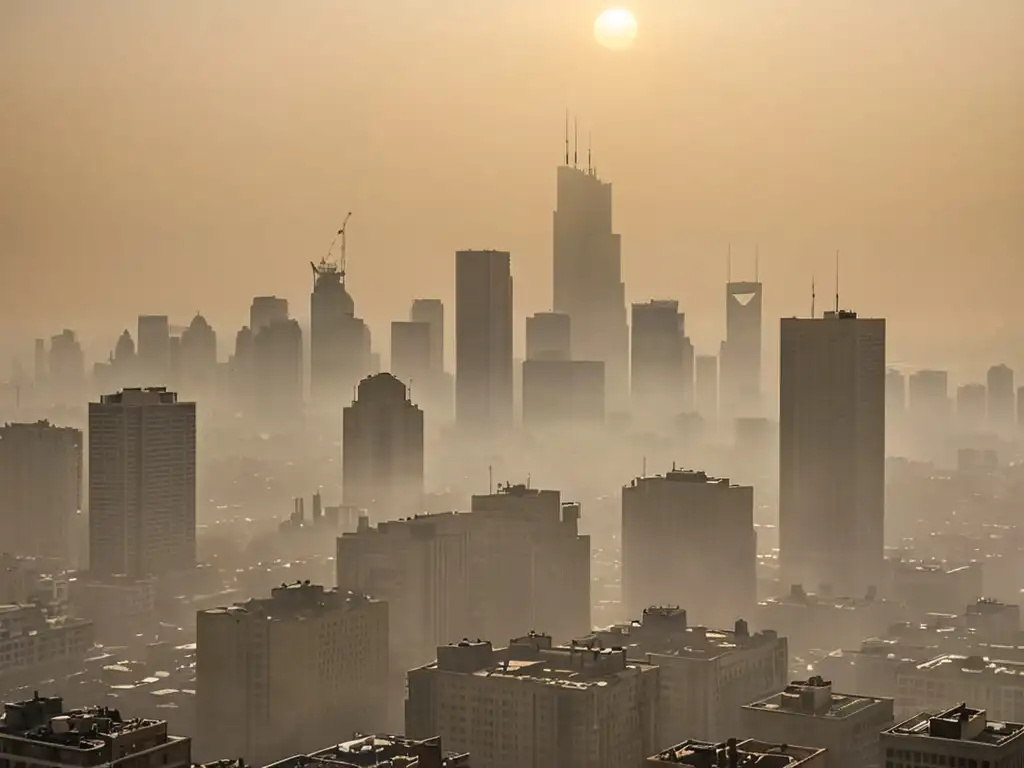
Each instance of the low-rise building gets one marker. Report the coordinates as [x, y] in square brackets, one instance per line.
[956, 737]
[809, 712]
[535, 704]
[733, 753]
[34, 645]
[379, 751]
[39, 733]
[939, 682]
[707, 675]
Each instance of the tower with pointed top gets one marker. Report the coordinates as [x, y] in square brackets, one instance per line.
[740, 359]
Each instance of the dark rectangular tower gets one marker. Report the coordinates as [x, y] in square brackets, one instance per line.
[740, 364]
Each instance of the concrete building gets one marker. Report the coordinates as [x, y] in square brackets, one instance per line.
[265, 310]
[379, 751]
[142, 483]
[40, 733]
[278, 372]
[587, 277]
[278, 673]
[846, 725]
[936, 587]
[706, 674]
[832, 451]
[656, 360]
[549, 336]
[715, 519]
[66, 368]
[971, 407]
[895, 394]
[198, 360]
[412, 353]
[954, 737]
[154, 350]
[561, 393]
[706, 387]
[121, 608]
[931, 685]
[741, 350]
[928, 397]
[41, 482]
[1001, 401]
[536, 704]
[34, 646]
[483, 339]
[431, 312]
[733, 753]
[382, 450]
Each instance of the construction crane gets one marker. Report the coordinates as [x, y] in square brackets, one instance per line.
[326, 265]
[341, 261]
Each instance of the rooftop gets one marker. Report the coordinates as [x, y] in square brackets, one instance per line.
[960, 723]
[295, 601]
[815, 698]
[953, 663]
[377, 751]
[696, 477]
[734, 754]
[798, 597]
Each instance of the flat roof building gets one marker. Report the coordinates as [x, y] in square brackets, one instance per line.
[956, 737]
[738, 754]
[379, 751]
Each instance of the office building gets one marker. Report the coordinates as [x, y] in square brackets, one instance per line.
[740, 373]
[971, 407]
[379, 751]
[411, 354]
[832, 451]
[198, 359]
[34, 646]
[553, 706]
[339, 347]
[41, 482]
[1020, 408]
[895, 394]
[275, 674]
[382, 450]
[1001, 402]
[66, 369]
[733, 752]
[142, 483]
[679, 531]
[706, 387]
[846, 725]
[277, 372]
[950, 677]
[656, 360]
[40, 733]
[153, 349]
[483, 339]
[928, 402]
[431, 312]
[265, 310]
[706, 674]
[957, 736]
[561, 393]
[588, 276]
[549, 336]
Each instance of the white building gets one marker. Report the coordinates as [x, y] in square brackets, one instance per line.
[533, 704]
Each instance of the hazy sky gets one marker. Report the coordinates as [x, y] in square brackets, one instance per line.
[165, 156]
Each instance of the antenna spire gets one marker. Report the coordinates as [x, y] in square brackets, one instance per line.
[728, 264]
[575, 142]
[757, 263]
[341, 262]
[837, 281]
[567, 136]
[812, 295]
[590, 167]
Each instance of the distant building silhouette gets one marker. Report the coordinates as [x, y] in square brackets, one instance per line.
[265, 310]
[339, 350]
[832, 451]
[198, 360]
[1001, 400]
[549, 336]
[277, 369]
[431, 312]
[657, 353]
[706, 386]
[895, 394]
[142, 483]
[153, 348]
[740, 373]
[971, 405]
[382, 450]
[928, 400]
[483, 339]
[241, 368]
[411, 354]
[588, 277]
[560, 393]
[66, 368]
[41, 482]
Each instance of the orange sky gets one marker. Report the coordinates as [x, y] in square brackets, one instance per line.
[173, 155]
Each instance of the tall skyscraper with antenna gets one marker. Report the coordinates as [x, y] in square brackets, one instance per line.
[740, 360]
[588, 272]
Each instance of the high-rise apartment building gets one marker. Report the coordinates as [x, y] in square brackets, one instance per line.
[142, 483]
[431, 312]
[537, 704]
[382, 450]
[153, 349]
[412, 354]
[656, 359]
[277, 371]
[483, 339]
[588, 276]
[707, 675]
[954, 737]
[265, 310]
[706, 386]
[339, 345]
[549, 336]
[561, 393]
[848, 726]
[741, 351]
[832, 452]
[715, 519]
[276, 674]
[40, 488]
[1001, 402]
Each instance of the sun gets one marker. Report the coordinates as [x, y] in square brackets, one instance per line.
[615, 29]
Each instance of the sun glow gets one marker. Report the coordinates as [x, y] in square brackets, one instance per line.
[615, 29]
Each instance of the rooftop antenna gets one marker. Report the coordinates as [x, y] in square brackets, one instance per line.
[645, 467]
[575, 141]
[757, 263]
[837, 281]
[567, 136]
[529, 478]
[341, 262]
[728, 265]
[590, 167]
[812, 295]
[490, 479]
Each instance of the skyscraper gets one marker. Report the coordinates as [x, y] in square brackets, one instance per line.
[382, 450]
[971, 400]
[277, 368]
[1001, 399]
[142, 483]
[153, 349]
[66, 367]
[832, 451]
[706, 386]
[266, 309]
[656, 358]
[483, 339]
[41, 478]
[199, 359]
[431, 311]
[339, 348]
[895, 394]
[588, 276]
[411, 354]
[549, 336]
[560, 393]
[740, 365]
